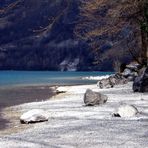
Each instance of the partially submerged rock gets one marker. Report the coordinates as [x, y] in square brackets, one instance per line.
[92, 98]
[126, 111]
[33, 116]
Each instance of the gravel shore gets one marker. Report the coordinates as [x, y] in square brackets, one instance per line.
[73, 125]
[12, 96]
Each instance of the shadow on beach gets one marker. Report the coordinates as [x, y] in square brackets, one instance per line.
[11, 96]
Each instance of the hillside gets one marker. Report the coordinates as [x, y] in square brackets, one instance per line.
[64, 35]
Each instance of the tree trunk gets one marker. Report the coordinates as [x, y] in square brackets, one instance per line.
[144, 51]
[144, 34]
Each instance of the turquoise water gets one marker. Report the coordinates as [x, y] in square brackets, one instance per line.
[25, 78]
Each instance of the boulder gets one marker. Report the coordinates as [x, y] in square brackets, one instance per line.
[130, 74]
[113, 80]
[33, 116]
[134, 66]
[127, 72]
[105, 83]
[126, 111]
[131, 71]
[61, 89]
[92, 98]
[120, 79]
[141, 82]
[116, 79]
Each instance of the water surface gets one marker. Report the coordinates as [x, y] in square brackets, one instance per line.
[25, 78]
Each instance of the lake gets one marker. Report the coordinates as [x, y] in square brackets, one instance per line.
[25, 78]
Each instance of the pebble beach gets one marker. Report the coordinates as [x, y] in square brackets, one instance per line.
[71, 124]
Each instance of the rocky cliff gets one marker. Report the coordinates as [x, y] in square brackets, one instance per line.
[48, 35]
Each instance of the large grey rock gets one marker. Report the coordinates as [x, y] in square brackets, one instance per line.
[120, 79]
[113, 80]
[130, 74]
[117, 79]
[131, 71]
[127, 72]
[33, 116]
[92, 98]
[105, 83]
[126, 111]
[141, 82]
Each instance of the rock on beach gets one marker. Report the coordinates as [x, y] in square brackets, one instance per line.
[111, 81]
[61, 89]
[92, 98]
[126, 111]
[141, 82]
[33, 116]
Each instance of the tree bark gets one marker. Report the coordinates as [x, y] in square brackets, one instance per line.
[144, 51]
[144, 34]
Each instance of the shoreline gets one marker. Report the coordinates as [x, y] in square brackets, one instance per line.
[71, 122]
[9, 116]
[13, 96]
[10, 96]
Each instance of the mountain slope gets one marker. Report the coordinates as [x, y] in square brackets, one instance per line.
[42, 35]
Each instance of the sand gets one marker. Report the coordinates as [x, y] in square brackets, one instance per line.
[71, 124]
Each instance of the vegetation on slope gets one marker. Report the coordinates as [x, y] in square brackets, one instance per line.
[38, 34]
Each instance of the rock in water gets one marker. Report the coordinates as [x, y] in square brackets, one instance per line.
[92, 98]
[126, 111]
[33, 116]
